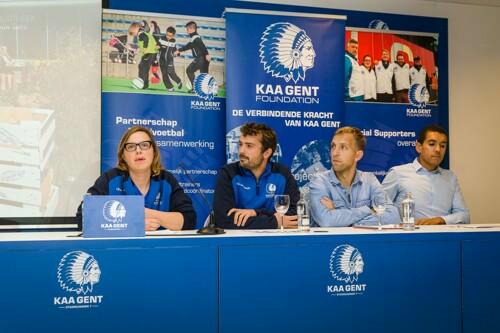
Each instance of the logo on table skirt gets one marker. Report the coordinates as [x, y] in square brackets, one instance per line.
[346, 265]
[286, 51]
[205, 86]
[77, 273]
[270, 190]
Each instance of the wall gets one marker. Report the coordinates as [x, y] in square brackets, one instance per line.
[473, 57]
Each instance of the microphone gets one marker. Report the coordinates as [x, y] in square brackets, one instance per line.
[210, 229]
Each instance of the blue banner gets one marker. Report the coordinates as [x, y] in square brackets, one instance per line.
[180, 95]
[286, 71]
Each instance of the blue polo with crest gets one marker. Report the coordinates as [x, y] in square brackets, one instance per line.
[237, 187]
[164, 194]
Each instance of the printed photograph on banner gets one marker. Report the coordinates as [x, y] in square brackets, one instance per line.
[387, 66]
[151, 53]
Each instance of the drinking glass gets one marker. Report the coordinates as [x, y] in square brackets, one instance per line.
[379, 204]
[281, 204]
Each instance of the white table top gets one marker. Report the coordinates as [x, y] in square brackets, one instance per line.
[69, 236]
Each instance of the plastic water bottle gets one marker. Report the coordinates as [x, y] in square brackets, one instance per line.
[303, 213]
[408, 212]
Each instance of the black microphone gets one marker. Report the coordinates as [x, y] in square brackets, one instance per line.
[210, 229]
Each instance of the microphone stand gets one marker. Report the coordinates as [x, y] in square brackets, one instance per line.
[210, 229]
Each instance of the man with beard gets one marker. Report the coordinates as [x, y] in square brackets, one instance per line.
[418, 74]
[245, 190]
[402, 79]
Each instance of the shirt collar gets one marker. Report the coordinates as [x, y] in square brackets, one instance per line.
[418, 167]
[334, 180]
[247, 172]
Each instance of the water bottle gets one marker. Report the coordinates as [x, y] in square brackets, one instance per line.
[408, 212]
[303, 213]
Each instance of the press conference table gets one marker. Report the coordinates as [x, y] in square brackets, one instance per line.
[435, 279]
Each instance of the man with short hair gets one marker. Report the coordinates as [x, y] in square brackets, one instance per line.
[437, 194]
[353, 75]
[418, 74]
[343, 196]
[385, 75]
[245, 190]
[201, 57]
[401, 79]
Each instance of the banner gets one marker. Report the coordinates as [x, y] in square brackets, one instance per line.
[173, 84]
[286, 70]
[391, 91]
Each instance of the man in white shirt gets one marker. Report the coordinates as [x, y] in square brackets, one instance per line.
[418, 74]
[402, 79]
[353, 76]
[385, 73]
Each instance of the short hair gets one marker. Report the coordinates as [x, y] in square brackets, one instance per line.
[269, 139]
[171, 30]
[156, 166]
[430, 128]
[416, 58]
[134, 26]
[191, 24]
[352, 41]
[367, 55]
[359, 138]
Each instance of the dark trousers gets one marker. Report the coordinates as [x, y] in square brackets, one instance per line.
[167, 73]
[385, 98]
[197, 64]
[145, 66]
[402, 96]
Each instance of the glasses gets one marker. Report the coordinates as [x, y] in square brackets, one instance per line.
[144, 145]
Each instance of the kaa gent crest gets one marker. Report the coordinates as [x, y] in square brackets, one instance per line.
[346, 263]
[77, 272]
[286, 51]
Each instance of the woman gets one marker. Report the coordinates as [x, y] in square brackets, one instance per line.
[139, 172]
[370, 80]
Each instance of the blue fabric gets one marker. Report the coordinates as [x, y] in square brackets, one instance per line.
[352, 206]
[436, 193]
[250, 193]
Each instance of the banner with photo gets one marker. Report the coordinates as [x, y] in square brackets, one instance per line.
[285, 70]
[166, 72]
[391, 91]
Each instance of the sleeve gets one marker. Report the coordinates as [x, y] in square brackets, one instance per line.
[224, 201]
[181, 203]
[459, 211]
[144, 39]
[390, 185]
[347, 75]
[340, 217]
[186, 47]
[200, 46]
[391, 213]
[100, 187]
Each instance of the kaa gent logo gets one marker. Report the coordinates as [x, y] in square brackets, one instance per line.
[77, 273]
[205, 86]
[346, 265]
[418, 95]
[286, 51]
[114, 211]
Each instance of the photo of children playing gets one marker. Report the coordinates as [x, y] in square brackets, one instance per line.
[160, 54]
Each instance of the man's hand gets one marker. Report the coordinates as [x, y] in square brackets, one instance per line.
[327, 202]
[241, 215]
[208, 57]
[177, 53]
[151, 223]
[430, 221]
[289, 221]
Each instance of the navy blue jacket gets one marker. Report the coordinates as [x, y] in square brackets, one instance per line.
[164, 194]
[237, 188]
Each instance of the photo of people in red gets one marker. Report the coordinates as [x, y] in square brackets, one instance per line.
[391, 67]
